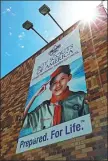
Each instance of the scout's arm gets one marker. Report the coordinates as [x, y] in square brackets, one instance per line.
[25, 120]
[33, 98]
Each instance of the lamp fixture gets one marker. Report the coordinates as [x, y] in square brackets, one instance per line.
[45, 10]
[28, 25]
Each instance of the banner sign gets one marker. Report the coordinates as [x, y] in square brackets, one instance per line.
[57, 107]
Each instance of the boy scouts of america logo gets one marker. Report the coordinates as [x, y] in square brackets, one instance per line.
[54, 50]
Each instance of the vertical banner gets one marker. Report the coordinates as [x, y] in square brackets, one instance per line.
[56, 108]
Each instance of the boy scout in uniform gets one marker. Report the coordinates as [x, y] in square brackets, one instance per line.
[63, 106]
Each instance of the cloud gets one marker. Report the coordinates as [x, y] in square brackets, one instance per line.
[9, 10]
[45, 31]
[21, 46]
[10, 33]
[46, 34]
[21, 36]
[13, 14]
[7, 53]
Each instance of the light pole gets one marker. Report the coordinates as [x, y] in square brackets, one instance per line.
[28, 25]
[45, 10]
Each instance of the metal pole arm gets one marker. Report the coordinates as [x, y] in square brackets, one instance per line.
[55, 22]
[39, 34]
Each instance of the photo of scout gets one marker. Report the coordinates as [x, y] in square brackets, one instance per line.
[64, 105]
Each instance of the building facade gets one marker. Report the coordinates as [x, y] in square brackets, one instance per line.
[14, 89]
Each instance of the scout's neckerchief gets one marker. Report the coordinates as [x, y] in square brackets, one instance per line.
[58, 108]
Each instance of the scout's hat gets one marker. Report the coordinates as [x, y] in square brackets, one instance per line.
[61, 69]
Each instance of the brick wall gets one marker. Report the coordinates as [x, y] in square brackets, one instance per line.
[14, 89]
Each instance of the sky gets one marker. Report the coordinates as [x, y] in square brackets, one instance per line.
[18, 44]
